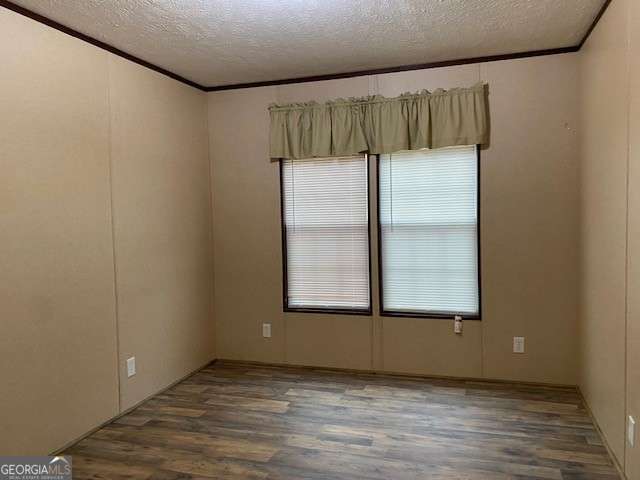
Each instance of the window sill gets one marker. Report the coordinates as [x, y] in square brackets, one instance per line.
[433, 316]
[328, 311]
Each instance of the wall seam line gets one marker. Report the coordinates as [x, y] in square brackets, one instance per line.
[211, 239]
[626, 241]
[113, 232]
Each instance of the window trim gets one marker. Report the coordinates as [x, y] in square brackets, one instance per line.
[432, 315]
[285, 281]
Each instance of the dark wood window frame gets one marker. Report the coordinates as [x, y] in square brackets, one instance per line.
[285, 281]
[369, 311]
[426, 314]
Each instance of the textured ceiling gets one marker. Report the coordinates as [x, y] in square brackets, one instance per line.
[219, 42]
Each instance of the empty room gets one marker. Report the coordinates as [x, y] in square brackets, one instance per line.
[324, 240]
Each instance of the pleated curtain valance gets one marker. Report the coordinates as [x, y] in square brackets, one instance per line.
[377, 125]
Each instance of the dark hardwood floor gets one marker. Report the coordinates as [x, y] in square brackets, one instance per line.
[232, 421]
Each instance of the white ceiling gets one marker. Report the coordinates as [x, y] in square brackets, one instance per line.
[220, 42]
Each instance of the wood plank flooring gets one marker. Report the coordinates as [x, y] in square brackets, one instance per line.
[233, 421]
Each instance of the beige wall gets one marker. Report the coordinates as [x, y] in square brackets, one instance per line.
[529, 223]
[162, 228]
[58, 342]
[604, 153]
[632, 460]
[72, 118]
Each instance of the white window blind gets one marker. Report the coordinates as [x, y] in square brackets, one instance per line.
[326, 223]
[428, 220]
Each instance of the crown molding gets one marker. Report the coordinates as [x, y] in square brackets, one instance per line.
[96, 43]
[316, 78]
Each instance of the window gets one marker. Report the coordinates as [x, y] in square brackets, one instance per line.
[428, 208]
[325, 213]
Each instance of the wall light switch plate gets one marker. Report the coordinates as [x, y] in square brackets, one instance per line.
[266, 330]
[457, 324]
[131, 366]
[631, 431]
[518, 344]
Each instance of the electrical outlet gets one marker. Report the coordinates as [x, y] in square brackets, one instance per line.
[518, 344]
[631, 431]
[266, 330]
[131, 366]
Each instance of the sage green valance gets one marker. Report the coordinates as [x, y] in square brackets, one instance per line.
[376, 124]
